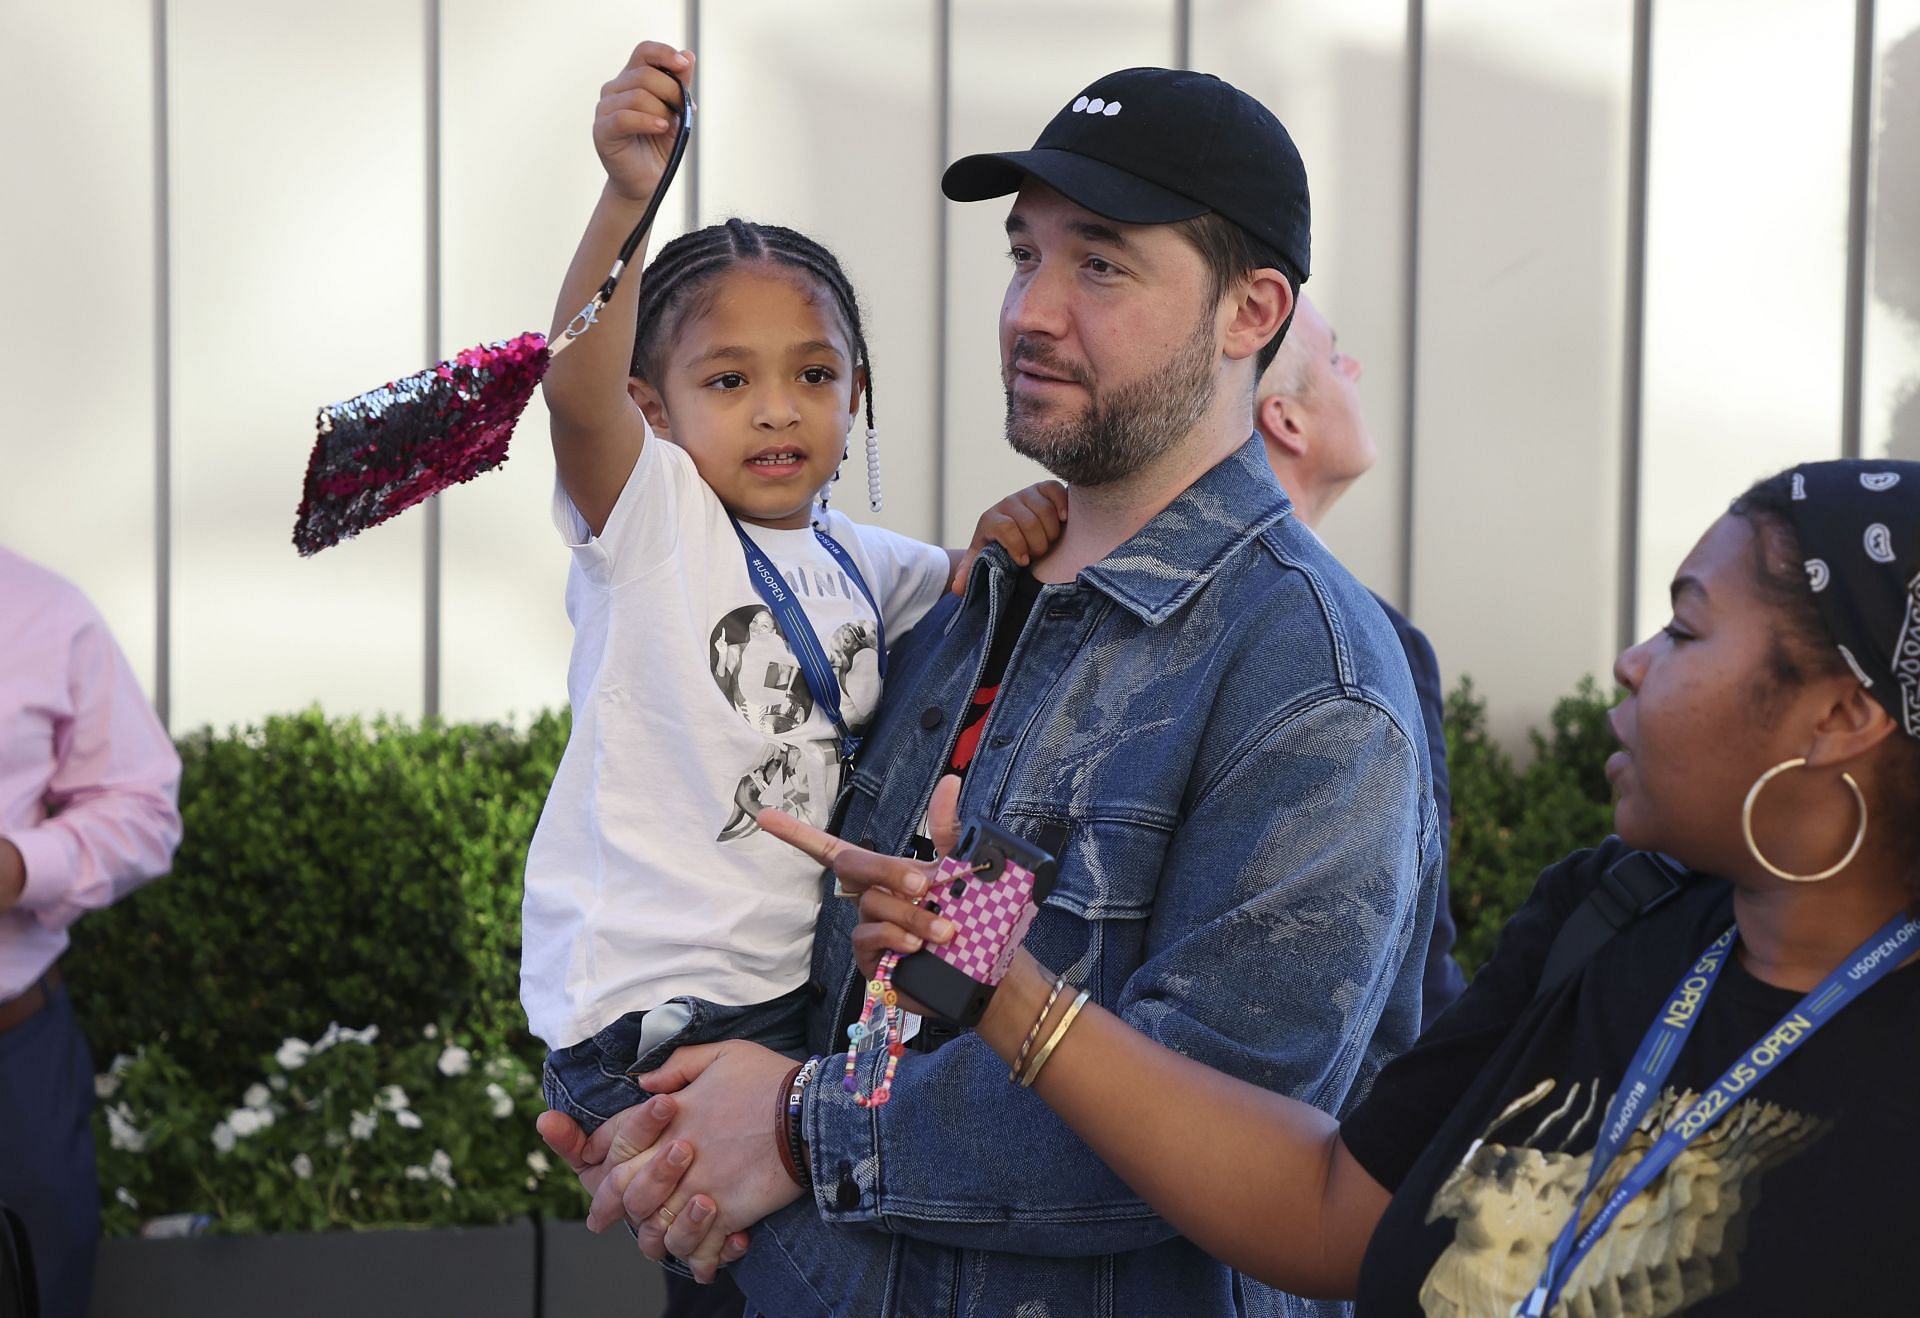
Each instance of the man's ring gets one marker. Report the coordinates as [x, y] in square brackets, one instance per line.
[668, 1214]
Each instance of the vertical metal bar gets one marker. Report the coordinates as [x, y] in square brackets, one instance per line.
[1859, 185]
[943, 81]
[690, 168]
[1634, 326]
[1410, 345]
[162, 380]
[430, 695]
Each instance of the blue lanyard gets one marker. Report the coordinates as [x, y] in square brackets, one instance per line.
[1654, 1062]
[798, 631]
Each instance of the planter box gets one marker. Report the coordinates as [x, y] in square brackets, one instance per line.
[524, 1268]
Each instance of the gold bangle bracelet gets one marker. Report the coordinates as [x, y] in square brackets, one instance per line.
[1053, 1040]
[1020, 1061]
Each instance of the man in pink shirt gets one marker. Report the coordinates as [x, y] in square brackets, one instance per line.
[88, 780]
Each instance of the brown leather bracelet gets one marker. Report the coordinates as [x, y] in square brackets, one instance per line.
[782, 1127]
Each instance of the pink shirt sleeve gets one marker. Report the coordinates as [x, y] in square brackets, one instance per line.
[110, 796]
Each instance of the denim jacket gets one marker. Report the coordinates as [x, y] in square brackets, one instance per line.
[1219, 721]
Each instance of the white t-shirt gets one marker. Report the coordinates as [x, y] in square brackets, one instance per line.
[648, 877]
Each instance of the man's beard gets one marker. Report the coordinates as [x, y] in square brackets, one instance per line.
[1118, 433]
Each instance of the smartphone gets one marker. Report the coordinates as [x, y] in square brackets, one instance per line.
[990, 887]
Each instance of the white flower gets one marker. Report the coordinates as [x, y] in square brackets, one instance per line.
[245, 1121]
[361, 1125]
[440, 1167]
[368, 1035]
[335, 1139]
[502, 1101]
[302, 1166]
[393, 1098]
[330, 1038]
[431, 1032]
[107, 1084]
[408, 1119]
[455, 1060]
[293, 1054]
[354, 1193]
[415, 1173]
[223, 1138]
[125, 1196]
[256, 1096]
[122, 1133]
[538, 1161]
[278, 1083]
[532, 1184]
[498, 1067]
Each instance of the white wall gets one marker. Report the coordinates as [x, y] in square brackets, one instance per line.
[226, 214]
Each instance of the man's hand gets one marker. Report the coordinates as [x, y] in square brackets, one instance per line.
[13, 876]
[1026, 524]
[634, 124]
[723, 1096]
[625, 1150]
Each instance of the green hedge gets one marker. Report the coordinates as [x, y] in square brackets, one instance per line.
[335, 871]
[331, 871]
[1508, 823]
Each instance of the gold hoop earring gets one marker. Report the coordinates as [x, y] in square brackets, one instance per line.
[1753, 848]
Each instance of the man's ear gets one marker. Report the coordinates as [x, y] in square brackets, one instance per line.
[1264, 303]
[652, 405]
[1278, 419]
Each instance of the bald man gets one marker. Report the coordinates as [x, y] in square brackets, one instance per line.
[1308, 413]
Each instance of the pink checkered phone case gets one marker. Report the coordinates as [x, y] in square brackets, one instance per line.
[990, 914]
[989, 888]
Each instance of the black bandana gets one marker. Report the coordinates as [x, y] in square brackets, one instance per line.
[1859, 526]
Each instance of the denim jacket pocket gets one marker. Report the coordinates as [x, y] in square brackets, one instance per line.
[1092, 924]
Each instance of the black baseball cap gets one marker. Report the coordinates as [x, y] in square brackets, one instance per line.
[1151, 146]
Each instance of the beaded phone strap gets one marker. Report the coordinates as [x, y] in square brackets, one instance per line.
[884, 1032]
[881, 994]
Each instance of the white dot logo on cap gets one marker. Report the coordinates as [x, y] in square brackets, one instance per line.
[1799, 486]
[1113, 108]
[1096, 105]
[1879, 480]
[1080, 105]
[1879, 543]
[1817, 574]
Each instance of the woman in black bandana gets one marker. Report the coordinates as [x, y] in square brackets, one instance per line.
[1765, 1014]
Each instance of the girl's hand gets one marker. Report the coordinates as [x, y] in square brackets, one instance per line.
[1026, 524]
[635, 123]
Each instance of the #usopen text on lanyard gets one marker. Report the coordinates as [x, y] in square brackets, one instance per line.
[791, 617]
[1654, 1061]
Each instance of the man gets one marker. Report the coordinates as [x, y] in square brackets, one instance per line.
[1308, 415]
[1187, 700]
[87, 788]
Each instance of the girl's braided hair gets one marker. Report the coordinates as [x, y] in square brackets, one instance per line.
[680, 281]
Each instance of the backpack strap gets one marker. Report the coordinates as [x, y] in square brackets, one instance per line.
[1637, 883]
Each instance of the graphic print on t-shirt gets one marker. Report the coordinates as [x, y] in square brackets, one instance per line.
[1674, 1246]
[757, 672]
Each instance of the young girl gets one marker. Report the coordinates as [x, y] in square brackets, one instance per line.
[691, 450]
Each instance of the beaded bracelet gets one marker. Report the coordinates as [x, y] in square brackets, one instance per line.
[1053, 1040]
[787, 1132]
[880, 994]
[1020, 1060]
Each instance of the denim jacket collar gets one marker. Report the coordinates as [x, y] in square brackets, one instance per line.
[1161, 565]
